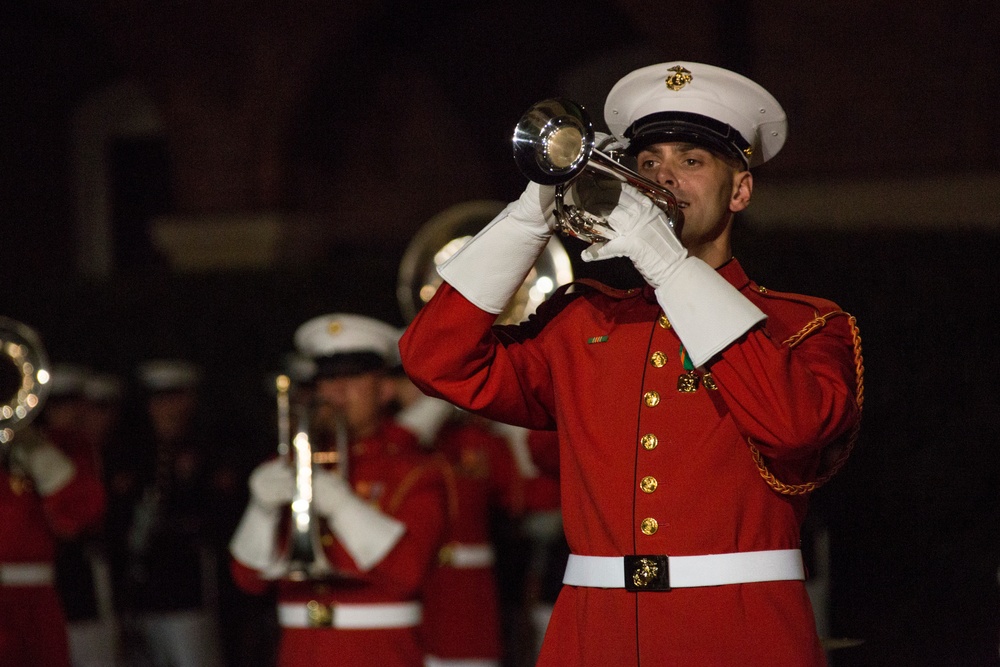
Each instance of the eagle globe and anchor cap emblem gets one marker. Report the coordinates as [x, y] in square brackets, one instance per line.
[680, 77]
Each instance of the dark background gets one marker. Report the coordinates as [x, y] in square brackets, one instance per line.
[348, 127]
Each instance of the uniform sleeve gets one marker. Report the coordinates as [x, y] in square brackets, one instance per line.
[542, 491]
[423, 509]
[247, 579]
[791, 401]
[452, 351]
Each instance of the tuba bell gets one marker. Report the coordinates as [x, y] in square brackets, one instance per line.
[555, 144]
[24, 377]
[445, 233]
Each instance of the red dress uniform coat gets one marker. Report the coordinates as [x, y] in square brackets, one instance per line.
[461, 605]
[390, 470]
[32, 623]
[602, 368]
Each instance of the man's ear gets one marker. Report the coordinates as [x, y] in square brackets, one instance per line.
[742, 191]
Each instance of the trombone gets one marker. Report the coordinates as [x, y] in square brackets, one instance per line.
[554, 144]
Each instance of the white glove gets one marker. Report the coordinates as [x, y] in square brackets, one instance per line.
[491, 267]
[424, 418]
[643, 236]
[707, 312]
[272, 484]
[254, 541]
[43, 462]
[364, 531]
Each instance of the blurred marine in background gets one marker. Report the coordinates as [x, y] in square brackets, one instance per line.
[44, 497]
[370, 507]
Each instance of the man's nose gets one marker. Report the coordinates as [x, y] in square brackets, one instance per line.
[665, 175]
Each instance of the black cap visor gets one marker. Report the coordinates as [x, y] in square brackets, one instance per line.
[678, 126]
[347, 364]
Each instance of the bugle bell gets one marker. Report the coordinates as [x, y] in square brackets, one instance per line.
[24, 377]
[554, 144]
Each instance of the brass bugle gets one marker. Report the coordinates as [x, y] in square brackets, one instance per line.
[304, 557]
[554, 144]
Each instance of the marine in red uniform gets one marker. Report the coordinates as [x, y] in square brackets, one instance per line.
[82, 579]
[382, 525]
[462, 626]
[43, 497]
[692, 413]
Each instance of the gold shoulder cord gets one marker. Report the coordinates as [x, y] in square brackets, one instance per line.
[859, 397]
[412, 477]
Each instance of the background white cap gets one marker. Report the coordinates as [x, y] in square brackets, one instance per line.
[337, 334]
[104, 388]
[68, 380]
[169, 374]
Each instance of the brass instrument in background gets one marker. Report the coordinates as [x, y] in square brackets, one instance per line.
[303, 557]
[24, 377]
[442, 236]
[554, 144]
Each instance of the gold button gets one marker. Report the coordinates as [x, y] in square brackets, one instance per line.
[658, 359]
[649, 441]
[648, 484]
[649, 526]
[664, 322]
[651, 398]
[446, 554]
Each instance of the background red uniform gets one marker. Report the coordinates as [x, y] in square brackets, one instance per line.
[391, 471]
[32, 623]
[461, 605]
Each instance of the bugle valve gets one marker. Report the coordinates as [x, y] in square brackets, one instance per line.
[555, 144]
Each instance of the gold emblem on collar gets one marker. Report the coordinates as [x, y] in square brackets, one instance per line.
[680, 78]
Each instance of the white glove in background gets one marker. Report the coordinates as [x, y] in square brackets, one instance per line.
[254, 541]
[362, 529]
[272, 485]
[491, 267]
[48, 468]
[707, 312]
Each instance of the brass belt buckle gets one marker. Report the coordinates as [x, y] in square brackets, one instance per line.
[320, 615]
[647, 573]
